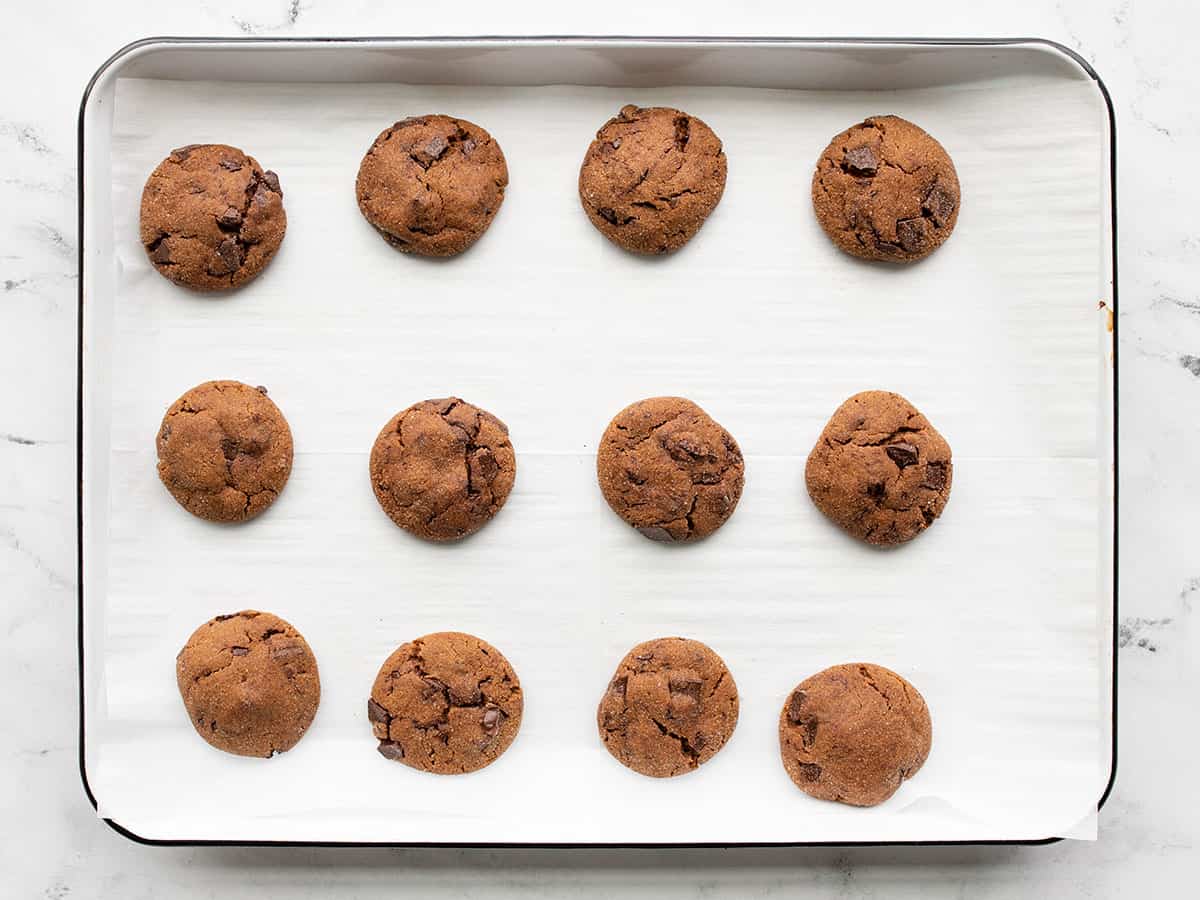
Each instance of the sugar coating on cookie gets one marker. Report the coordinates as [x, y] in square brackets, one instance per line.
[669, 470]
[431, 185]
[854, 733]
[669, 708]
[879, 469]
[441, 469]
[447, 703]
[211, 217]
[249, 683]
[224, 451]
[886, 190]
[651, 178]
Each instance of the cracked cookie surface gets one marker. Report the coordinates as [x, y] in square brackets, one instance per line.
[669, 470]
[211, 218]
[669, 707]
[447, 703]
[853, 733]
[651, 177]
[886, 190]
[224, 451]
[431, 185]
[249, 683]
[879, 469]
[441, 469]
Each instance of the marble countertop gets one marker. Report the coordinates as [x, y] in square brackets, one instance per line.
[51, 844]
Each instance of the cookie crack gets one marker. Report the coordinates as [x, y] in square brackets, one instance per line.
[689, 752]
[862, 670]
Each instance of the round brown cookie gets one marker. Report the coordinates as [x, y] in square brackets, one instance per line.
[442, 468]
[884, 189]
[431, 185]
[447, 703]
[651, 177]
[879, 469]
[669, 470]
[224, 451]
[853, 733]
[670, 706]
[249, 682]
[211, 217]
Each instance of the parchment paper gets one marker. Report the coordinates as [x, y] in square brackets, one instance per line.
[993, 614]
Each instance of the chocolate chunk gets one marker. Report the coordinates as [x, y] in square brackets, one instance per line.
[794, 704]
[935, 476]
[861, 161]
[877, 490]
[939, 205]
[226, 616]
[809, 771]
[491, 719]
[261, 389]
[468, 146]
[682, 129]
[162, 253]
[376, 713]
[685, 450]
[239, 651]
[229, 448]
[911, 234]
[706, 478]
[181, 153]
[230, 164]
[391, 750]
[230, 254]
[231, 218]
[432, 688]
[656, 533]
[482, 468]
[286, 651]
[902, 454]
[608, 215]
[618, 686]
[271, 180]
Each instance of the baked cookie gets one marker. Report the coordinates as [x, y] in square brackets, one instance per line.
[853, 733]
[442, 468]
[670, 706]
[249, 683]
[431, 185]
[884, 189]
[224, 451]
[879, 469]
[447, 703]
[651, 177]
[669, 470]
[211, 217]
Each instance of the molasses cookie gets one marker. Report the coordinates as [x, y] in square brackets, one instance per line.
[884, 189]
[670, 706]
[224, 451]
[431, 185]
[669, 470]
[447, 703]
[879, 469]
[651, 177]
[442, 468]
[211, 217]
[853, 733]
[249, 683]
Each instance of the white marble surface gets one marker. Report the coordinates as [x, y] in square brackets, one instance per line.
[51, 844]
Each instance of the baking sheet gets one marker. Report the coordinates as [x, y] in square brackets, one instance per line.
[993, 614]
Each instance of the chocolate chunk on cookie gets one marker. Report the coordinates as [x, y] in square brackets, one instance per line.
[669, 470]
[431, 185]
[879, 469]
[853, 733]
[651, 177]
[249, 682]
[447, 703]
[886, 190]
[211, 218]
[442, 468]
[224, 451]
[669, 707]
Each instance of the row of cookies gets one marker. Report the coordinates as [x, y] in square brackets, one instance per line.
[450, 703]
[442, 469]
[212, 218]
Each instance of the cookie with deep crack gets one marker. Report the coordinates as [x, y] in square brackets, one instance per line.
[669, 708]
[249, 683]
[651, 178]
[854, 733]
[211, 217]
[224, 451]
[447, 703]
[669, 470]
[441, 469]
[879, 469]
[886, 190]
[431, 185]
